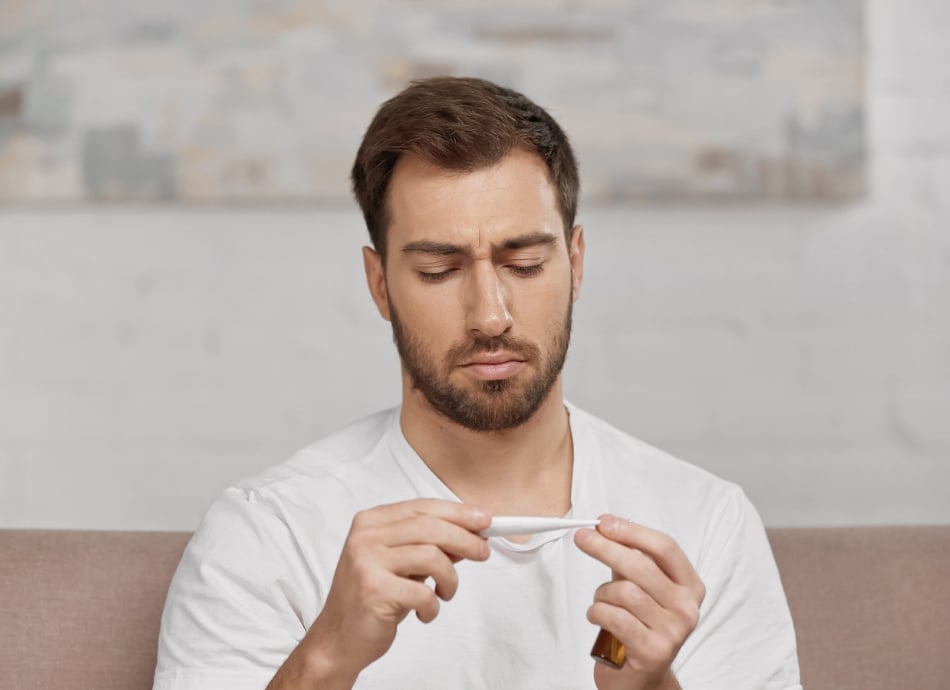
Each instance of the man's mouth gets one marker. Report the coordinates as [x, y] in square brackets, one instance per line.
[492, 366]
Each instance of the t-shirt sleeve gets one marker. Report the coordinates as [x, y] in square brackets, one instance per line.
[230, 619]
[745, 639]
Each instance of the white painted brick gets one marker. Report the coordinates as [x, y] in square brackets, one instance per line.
[922, 416]
[775, 416]
[6, 368]
[37, 413]
[660, 415]
[143, 484]
[702, 358]
[898, 73]
[149, 357]
[691, 332]
[907, 189]
[870, 484]
[915, 124]
[942, 185]
[917, 27]
[12, 499]
[875, 364]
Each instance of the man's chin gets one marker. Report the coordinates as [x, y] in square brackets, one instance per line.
[496, 391]
[490, 409]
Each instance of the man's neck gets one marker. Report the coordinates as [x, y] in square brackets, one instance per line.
[521, 471]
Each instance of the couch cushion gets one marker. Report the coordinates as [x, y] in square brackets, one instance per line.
[81, 610]
[871, 605]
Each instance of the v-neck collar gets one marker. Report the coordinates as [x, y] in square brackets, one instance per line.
[426, 483]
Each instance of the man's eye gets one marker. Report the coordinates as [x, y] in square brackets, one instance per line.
[434, 277]
[531, 270]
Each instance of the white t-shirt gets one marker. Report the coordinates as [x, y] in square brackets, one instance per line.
[255, 574]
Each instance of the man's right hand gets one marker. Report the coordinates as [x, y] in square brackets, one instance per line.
[389, 553]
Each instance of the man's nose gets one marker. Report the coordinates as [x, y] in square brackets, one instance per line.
[487, 310]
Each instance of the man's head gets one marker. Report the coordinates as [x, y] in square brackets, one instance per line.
[461, 125]
[477, 263]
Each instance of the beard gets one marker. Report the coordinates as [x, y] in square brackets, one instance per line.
[495, 405]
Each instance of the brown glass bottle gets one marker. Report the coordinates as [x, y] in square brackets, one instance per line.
[608, 650]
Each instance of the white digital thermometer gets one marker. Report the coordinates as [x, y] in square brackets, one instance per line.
[510, 525]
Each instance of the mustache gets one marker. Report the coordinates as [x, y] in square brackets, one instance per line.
[479, 345]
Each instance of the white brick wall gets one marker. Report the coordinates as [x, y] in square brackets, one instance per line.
[148, 357]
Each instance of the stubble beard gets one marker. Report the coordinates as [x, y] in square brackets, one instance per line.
[496, 405]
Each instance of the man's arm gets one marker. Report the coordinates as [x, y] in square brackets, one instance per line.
[389, 553]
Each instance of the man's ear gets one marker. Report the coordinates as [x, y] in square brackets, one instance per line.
[576, 251]
[376, 280]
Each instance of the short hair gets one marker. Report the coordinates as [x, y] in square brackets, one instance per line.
[459, 124]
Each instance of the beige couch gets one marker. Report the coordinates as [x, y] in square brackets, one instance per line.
[80, 610]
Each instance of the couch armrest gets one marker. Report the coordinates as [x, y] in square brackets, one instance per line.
[871, 605]
[81, 609]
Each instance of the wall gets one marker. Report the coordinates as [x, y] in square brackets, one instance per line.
[150, 356]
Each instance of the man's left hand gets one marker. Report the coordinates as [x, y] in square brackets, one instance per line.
[651, 605]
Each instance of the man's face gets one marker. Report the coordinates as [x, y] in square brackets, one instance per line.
[479, 286]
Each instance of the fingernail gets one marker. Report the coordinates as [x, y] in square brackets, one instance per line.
[480, 515]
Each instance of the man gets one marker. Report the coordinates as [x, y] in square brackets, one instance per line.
[305, 576]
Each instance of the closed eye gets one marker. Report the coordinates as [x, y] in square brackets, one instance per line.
[436, 276]
[530, 270]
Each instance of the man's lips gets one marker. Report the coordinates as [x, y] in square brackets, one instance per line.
[494, 366]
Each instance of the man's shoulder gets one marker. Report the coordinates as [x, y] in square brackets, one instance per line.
[314, 487]
[633, 457]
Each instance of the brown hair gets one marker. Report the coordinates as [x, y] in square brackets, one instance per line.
[458, 124]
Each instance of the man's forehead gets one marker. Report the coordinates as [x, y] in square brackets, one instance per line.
[479, 210]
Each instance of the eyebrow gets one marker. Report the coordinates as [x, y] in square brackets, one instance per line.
[534, 239]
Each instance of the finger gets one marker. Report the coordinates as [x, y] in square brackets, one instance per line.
[424, 561]
[471, 518]
[426, 529]
[629, 596]
[675, 621]
[644, 647]
[412, 595]
[629, 564]
[661, 547]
